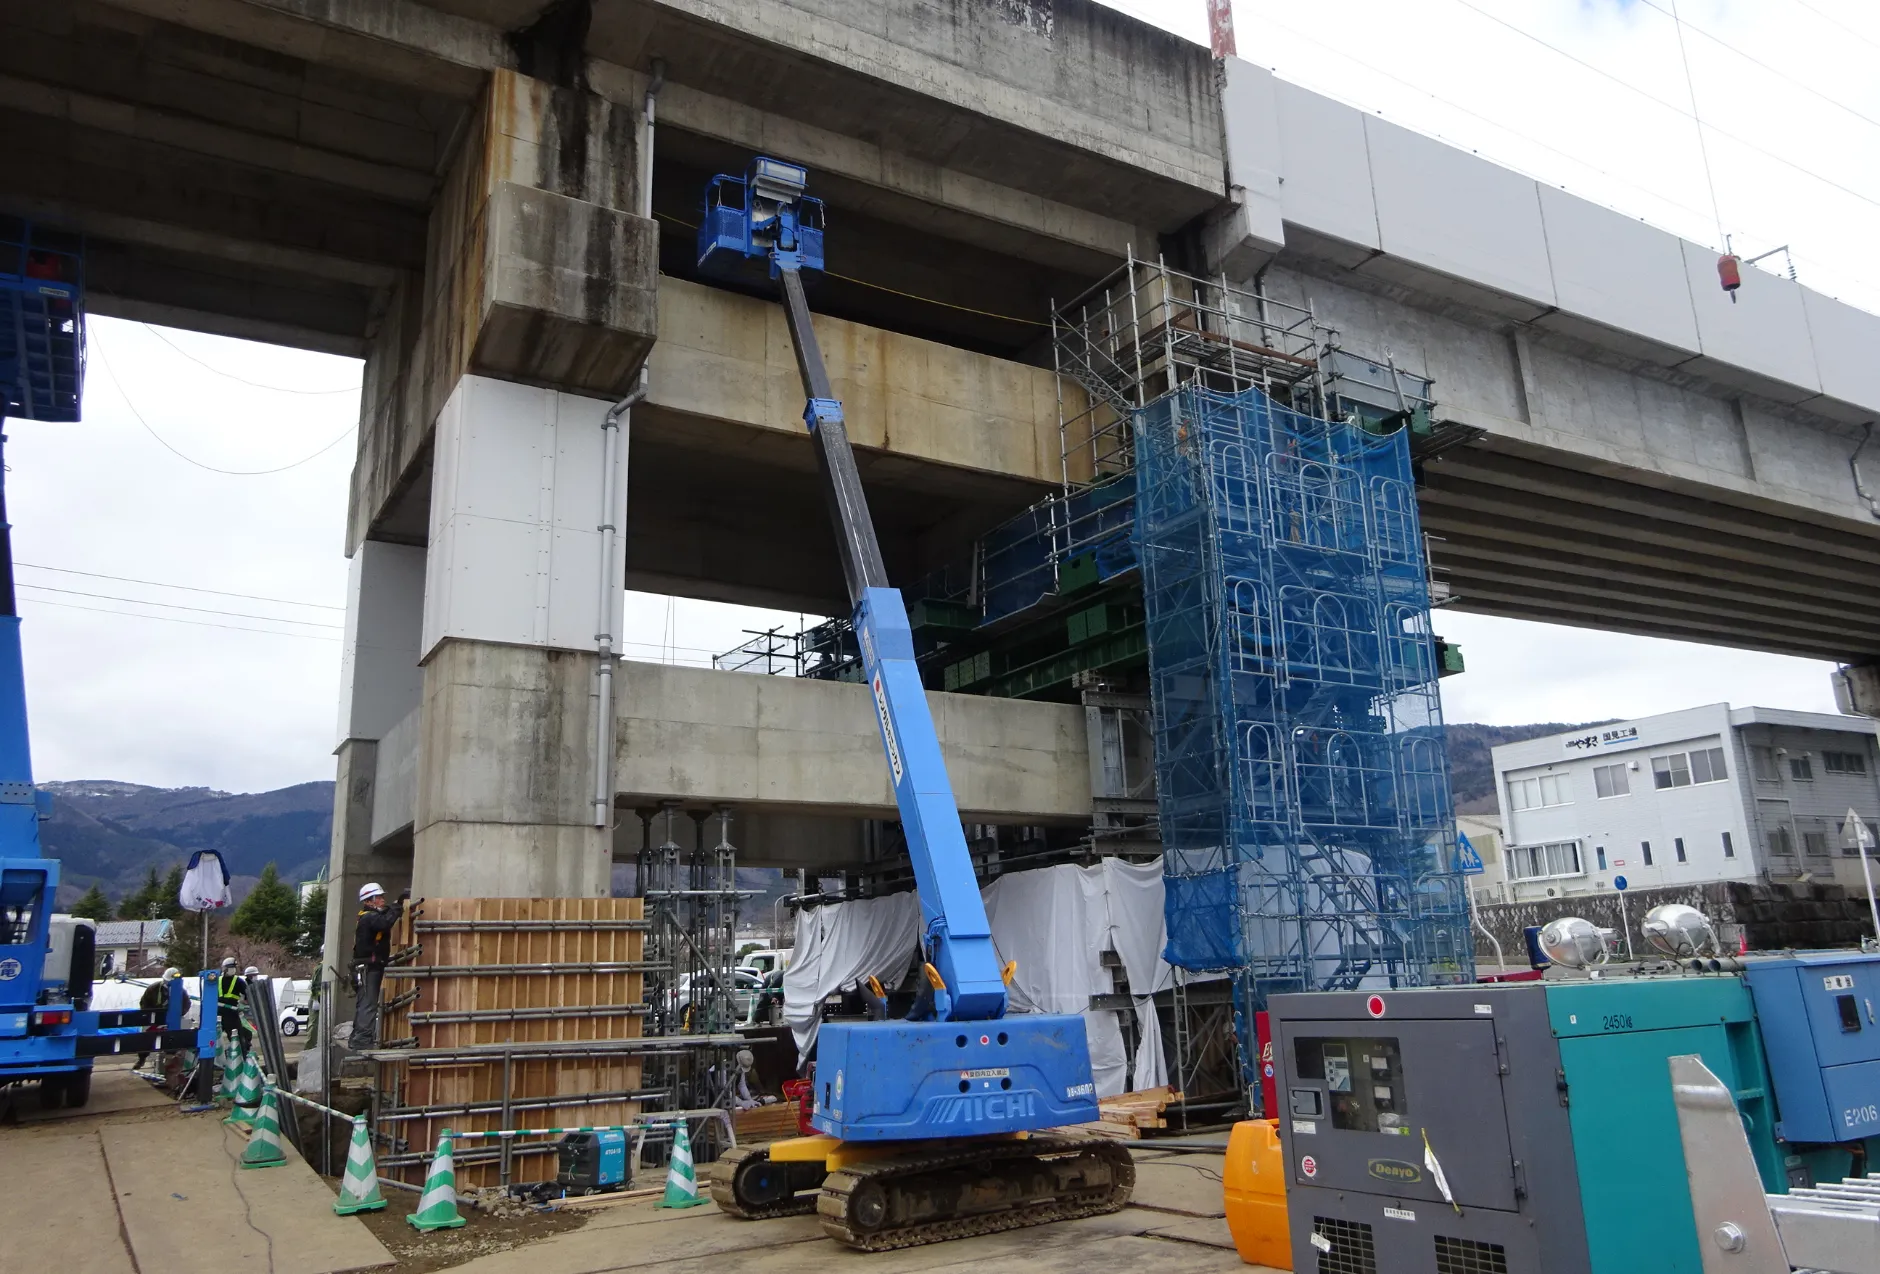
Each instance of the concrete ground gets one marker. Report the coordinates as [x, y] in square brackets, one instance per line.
[130, 1186]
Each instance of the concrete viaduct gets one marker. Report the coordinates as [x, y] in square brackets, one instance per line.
[455, 190]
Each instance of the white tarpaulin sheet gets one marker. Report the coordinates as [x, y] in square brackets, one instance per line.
[1056, 923]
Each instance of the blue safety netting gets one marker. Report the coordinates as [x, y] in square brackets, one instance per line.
[1303, 784]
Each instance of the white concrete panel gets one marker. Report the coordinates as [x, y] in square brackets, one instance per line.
[1250, 117]
[1764, 333]
[1449, 211]
[1327, 173]
[1847, 349]
[380, 679]
[515, 518]
[1618, 271]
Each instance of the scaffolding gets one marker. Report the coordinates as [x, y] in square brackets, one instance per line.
[1308, 836]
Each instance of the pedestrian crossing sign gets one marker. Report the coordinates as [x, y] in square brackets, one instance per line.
[1468, 862]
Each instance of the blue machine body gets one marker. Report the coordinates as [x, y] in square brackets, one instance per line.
[595, 1159]
[958, 1067]
[42, 322]
[1817, 1011]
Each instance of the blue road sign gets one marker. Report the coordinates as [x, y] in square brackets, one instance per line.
[1468, 862]
[1618, 882]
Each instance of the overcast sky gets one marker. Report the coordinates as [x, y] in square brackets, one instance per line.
[221, 669]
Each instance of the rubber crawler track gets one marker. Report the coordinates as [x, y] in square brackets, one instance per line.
[724, 1194]
[832, 1205]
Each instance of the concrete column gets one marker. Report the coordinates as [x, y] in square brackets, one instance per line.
[355, 860]
[539, 273]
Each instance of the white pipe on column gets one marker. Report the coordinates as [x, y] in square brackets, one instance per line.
[613, 426]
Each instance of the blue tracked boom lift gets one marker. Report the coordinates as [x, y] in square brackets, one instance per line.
[926, 1123]
[48, 1032]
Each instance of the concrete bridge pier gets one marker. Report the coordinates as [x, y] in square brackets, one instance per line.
[476, 505]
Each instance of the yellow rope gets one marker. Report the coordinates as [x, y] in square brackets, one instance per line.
[880, 287]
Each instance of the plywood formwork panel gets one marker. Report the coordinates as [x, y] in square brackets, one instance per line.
[473, 957]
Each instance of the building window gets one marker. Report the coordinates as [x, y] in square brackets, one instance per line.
[1599, 856]
[1729, 850]
[1815, 844]
[1677, 843]
[1763, 762]
[1537, 862]
[1646, 847]
[1539, 792]
[1800, 770]
[1781, 843]
[1844, 762]
[1610, 780]
[1682, 769]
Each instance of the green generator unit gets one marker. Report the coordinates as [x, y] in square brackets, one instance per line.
[1519, 1127]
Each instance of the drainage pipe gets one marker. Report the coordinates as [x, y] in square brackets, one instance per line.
[613, 428]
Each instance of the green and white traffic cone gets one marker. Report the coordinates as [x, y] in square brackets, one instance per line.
[264, 1143]
[359, 1183]
[247, 1094]
[681, 1180]
[227, 1057]
[437, 1207]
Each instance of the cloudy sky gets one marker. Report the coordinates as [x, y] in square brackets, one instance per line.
[181, 575]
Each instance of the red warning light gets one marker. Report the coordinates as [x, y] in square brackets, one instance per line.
[1375, 1006]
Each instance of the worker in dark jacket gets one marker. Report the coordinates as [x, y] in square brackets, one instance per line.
[157, 996]
[231, 992]
[372, 951]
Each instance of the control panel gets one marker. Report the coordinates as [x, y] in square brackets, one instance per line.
[1821, 1035]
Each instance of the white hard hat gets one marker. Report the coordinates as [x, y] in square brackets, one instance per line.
[228, 962]
[172, 972]
[251, 972]
[370, 891]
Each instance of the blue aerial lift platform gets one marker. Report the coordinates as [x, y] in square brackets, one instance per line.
[48, 1031]
[926, 1122]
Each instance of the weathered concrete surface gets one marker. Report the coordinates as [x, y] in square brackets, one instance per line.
[187, 1208]
[724, 365]
[58, 1199]
[355, 855]
[791, 745]
[504, 780]
[537, 271]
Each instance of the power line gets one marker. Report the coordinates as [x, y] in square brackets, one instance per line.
[187, 588]
[1806, 87]
[1838, 23]
[177, 619]
[200, 610]
[104, 362]
[243, 380]
[1659, 101]
[1703, 147]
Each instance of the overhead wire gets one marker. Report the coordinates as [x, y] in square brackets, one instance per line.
[200, 610]
[1832, 21]
[187, 588]
[1670, 106]
[1703, 145]
[105, 362]
[252, 384]
[178, 619]
[1751, 58]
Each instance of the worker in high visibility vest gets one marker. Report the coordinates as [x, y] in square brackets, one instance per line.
[231, 991]
[372, 951]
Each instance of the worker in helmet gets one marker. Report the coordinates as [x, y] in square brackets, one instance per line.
[372, 951]
[158, 996]
[231, 992]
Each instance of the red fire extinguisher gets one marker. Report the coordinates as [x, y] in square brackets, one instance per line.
[1730, 274]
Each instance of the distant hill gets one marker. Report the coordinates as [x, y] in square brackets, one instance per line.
[1471, 765]
[110, 834]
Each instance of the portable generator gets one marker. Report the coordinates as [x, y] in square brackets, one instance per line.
[594, 1161]
[1530, 1126]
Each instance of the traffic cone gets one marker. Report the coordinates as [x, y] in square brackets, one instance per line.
[681, 1181]
[437, 1207]
[264, 1143]
[247, 1094]
[229, 1060]
[359, 1183]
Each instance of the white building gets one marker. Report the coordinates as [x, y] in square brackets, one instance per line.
[1710, 793]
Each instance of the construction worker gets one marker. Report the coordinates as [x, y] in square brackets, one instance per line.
[231, 992]
[157, 996]
[372, 951]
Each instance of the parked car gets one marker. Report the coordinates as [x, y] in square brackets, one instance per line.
[763, 963]
[294, 1019]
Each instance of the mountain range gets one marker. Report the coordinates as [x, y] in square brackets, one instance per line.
[110, 834]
